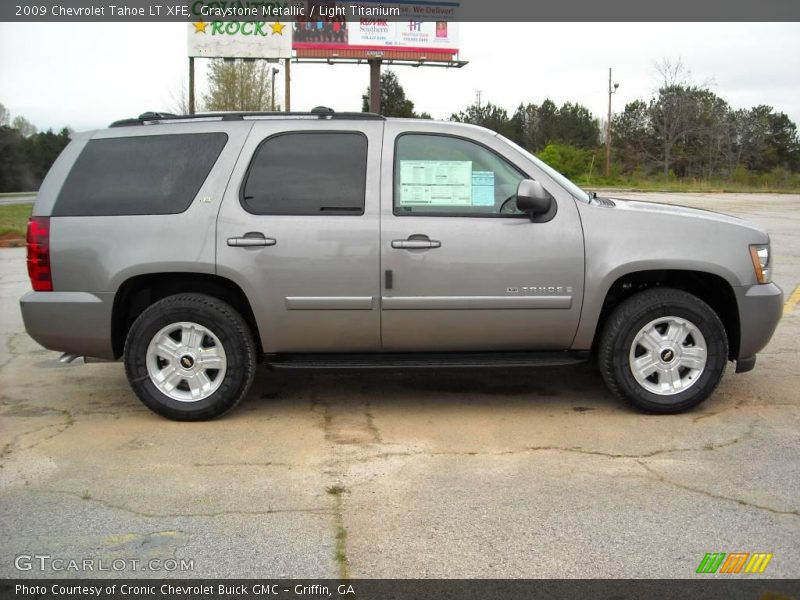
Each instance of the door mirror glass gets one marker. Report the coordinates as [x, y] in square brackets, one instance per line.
[534, 200]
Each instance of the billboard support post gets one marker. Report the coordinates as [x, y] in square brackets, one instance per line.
[272, 88]
[287, 94]
[191, 85]
[375, 85]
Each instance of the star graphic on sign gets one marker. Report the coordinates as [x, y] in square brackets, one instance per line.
[200, 27]
[277, 27]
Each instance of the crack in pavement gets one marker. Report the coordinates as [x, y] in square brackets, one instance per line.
[344, 426]
[571, 449]
[151, 515]
[663, 479]
[9, 448]
[249, 464]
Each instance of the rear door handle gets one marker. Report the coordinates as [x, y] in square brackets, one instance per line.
[416, 242]
[252, 239]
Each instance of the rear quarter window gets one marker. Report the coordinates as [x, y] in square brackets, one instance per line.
[140, 175]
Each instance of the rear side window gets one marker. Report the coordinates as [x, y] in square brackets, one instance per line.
[315, 173]
[141, 175]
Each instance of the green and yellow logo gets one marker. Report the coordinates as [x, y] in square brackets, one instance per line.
[261, 28]
[734, 563]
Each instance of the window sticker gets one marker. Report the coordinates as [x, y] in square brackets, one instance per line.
[483, 188]
[436, 182]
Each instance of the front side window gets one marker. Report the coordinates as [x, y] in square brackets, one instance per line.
[315, 173]
[442, 175]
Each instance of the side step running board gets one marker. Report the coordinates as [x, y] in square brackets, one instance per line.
[424, 360]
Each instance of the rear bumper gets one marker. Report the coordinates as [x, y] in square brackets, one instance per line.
[760, 309]
[74, 322]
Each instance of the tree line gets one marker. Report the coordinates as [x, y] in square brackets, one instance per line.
[684, 131]
[25, 153]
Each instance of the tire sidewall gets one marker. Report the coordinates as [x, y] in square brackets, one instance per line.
[161, 315]
[717, 349]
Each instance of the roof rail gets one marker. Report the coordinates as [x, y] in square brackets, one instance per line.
[320, 112]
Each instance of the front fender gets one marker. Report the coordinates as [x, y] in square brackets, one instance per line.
[621, 242]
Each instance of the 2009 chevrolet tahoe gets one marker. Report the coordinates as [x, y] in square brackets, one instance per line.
[195, 247]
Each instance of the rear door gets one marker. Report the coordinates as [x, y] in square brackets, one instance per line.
[463, 270]
[298, 232]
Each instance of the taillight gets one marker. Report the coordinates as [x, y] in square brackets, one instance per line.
[39, 254]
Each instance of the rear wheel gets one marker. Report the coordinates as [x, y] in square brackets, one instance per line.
[190, 357]
[664, 350]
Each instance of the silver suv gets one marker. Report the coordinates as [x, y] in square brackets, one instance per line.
[195, 247]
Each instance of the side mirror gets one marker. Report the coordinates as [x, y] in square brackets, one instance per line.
[534, 200]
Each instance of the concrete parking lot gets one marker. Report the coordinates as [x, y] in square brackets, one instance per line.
[498, 473]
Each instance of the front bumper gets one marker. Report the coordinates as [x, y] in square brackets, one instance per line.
[760, 308]
[74, 322]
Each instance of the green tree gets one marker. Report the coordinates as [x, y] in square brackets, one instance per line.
[41, 151]
[783, 144]
[488, 115]
[239, 85]
[576, 126]
[25, 127]
[25, 154]
[393, 98]
[632, 140]
[536, 126]
[14, 175]
[569, 160]
[524, 127]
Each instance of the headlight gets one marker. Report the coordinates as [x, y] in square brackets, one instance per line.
[760, 255]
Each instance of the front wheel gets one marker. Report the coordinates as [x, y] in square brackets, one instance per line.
[664, 350]
[190, 357]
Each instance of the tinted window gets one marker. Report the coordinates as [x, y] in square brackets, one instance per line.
[308, 174]
[443, 175]
[141, 175]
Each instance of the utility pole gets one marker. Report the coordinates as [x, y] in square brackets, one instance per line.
[478, 98]
[611, 90]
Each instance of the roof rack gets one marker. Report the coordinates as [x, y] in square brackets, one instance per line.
[320, 112]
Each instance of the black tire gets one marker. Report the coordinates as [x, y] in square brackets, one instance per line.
[634, 314]
[217, 317]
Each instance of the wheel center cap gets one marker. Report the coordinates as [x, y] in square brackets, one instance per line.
[667, 355]
[187, 362]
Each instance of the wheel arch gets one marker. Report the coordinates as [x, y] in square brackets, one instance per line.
[713, 289]
[138, 292]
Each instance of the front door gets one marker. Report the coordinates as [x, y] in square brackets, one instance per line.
[298, 232]
[462, 269]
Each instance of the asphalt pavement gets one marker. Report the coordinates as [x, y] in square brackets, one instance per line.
[8, 200]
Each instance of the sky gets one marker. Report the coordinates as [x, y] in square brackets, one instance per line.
[85, 75]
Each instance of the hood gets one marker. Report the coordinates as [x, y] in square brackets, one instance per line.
[656, 209]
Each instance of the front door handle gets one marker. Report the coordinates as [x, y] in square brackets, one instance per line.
[251, 239]
[416, 242]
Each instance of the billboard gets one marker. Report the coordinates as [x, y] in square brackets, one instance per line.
[424, 30]
[240, 39]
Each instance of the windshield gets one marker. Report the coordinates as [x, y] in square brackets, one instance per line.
[573, 189]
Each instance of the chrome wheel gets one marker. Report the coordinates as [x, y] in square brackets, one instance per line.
[668, 355]
[186, 361]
